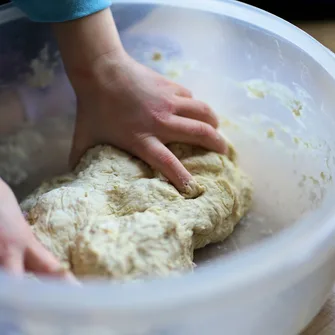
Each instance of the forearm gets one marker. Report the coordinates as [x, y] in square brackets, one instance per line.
[85, 30]
[82, 42]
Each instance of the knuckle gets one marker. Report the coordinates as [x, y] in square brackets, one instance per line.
[166, 159]
[202, 130]
[139, 143]
[215, 121]
[159, 117]
[208, 112]
[161, 114]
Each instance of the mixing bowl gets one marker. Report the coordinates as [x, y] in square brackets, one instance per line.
[273, 87]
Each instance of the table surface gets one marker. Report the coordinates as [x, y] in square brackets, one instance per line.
[324, 323]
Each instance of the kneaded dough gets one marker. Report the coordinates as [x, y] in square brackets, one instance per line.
[115, 217]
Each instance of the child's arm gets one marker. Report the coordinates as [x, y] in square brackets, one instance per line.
[128, 105]
[121, 102]
[19, 249]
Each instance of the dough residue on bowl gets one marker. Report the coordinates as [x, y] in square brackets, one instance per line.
[117, 218]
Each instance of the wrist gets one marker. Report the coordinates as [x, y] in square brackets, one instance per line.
[86, 43]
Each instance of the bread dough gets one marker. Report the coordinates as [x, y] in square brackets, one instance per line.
[115, 217]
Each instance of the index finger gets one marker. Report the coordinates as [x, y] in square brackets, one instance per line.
[157, 155]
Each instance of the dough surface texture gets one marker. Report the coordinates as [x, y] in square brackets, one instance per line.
[115, 217]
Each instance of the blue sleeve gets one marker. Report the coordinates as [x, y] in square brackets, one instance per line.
[60, 10]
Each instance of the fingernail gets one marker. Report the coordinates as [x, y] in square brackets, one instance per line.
[69, 277]
[227, 149]
[72, 279]
[192, 189]
[221, 139]
[63, 272]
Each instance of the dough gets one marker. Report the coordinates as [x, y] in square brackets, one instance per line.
[115, 217]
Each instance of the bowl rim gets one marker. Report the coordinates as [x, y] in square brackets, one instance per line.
[307, 244]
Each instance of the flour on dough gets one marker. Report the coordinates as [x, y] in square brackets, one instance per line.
[115, 217]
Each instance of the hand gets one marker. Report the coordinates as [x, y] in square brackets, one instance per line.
[139, 111]
[19, 249]
[123, 103]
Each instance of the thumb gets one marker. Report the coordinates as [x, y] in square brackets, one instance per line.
[41, 261]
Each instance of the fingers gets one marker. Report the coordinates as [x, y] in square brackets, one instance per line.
[196, 110]
[184, 130]
[12, 260]
[160, 158]
[39, 260]
[183, 92]
[177, 89]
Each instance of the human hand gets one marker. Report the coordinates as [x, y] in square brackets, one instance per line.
[20, 251]
[139, 111]
[123, 103]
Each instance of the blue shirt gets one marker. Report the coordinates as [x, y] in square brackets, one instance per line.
[60, 10]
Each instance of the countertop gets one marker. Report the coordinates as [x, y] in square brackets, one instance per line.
[324, 32]
[324, 323]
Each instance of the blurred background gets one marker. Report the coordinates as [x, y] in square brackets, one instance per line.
[298, 10]
[317, 17]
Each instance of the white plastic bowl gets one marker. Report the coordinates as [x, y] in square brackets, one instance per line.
[274, 87]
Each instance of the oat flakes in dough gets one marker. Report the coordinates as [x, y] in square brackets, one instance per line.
[115, 217]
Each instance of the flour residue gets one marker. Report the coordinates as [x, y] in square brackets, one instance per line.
[270, 133]
[288, 164]
[260, 89]
[42, 70]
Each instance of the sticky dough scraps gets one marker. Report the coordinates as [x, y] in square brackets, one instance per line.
[115, 217]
